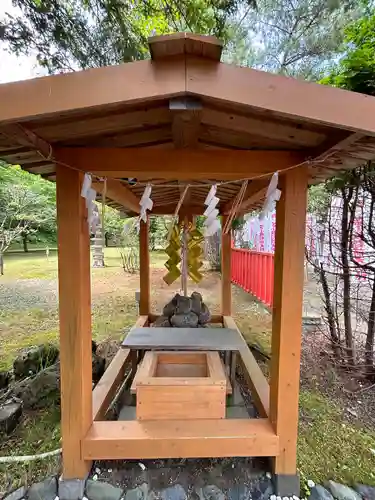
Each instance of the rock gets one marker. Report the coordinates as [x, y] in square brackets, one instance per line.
[138, 493]
[175, 492]
[366, 492]
[4, 380]
[41, 391]
[189, 320]
[196, 303]
[17, 494]
[35, 359]
[319, 493]
[212, 492]
[169, 309]
[342, 492]
[98, 367]
[161, 322]
[47, 490]
[10, 414]
[239, 492]
[96, 490]
[183, 305]
[263, 489]
[205, 315]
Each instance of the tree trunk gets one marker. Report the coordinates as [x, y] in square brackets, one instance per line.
[106, 239]
[345, 236]
[335, 341]
[1, 264]
[24, 243]
[369, 346]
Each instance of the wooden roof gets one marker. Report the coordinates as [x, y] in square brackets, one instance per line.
[241, 121]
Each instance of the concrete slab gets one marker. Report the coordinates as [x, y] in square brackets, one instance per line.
[127, 413]
[236, 412]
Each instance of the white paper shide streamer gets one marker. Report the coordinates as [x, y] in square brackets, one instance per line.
[211, 224]
[146, 203]
[272, 196]
[89, 194]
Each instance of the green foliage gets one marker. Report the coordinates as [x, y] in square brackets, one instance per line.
[356, 70]
[27, 206]
[318, 201]
[71, 34]
[295, 38]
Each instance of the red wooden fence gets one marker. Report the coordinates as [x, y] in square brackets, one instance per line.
[253, 271]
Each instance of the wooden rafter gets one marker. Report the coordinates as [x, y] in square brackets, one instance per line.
[119, 193]
[27, 138]
[177, 164]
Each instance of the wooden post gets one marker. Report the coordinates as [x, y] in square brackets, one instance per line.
[75, 320]
[287, 317]
[226, 286]
[144, 268]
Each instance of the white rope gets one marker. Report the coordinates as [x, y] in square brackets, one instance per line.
[29, 458]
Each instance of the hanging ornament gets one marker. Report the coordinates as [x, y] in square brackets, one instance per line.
[272, 196]
[89, 194]
[211, 224]
[194, 254]
[173, 251]
[146, 203]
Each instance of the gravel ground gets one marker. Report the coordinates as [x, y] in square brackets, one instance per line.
[28, 293]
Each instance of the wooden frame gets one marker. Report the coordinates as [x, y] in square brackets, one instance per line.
[85, 435]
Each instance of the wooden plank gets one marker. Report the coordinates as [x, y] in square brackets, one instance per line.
[175, 44]
[117, 191]
[183, 439]
[197, 339]
[91, 126]
[185, 402]
[200, 164]
[108, 385]
[91, 89]
[260, 127]
[144, 268]
[226, 272]
[75, 320]
[253, 374]
[287, 316]
[280, 94]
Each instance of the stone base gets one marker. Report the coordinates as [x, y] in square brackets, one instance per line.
[286, 485]
[71, 489]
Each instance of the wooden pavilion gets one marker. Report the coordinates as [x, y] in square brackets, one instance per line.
[182, 117]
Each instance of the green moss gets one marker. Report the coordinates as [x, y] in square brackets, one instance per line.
[329, 447]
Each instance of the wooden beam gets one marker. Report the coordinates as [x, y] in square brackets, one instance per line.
[252, 372]
[287, 315]
[226, 284]
[186, 121]
[180, 438]
[117, 191]
[75, 320]
[144, 268]
[108, 385]
[25, 137]
[92, 89]
[253, 89]
[255, 191]
[184, 210]
[182, 164]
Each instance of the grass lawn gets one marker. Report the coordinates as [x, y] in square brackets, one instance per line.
[329, 446]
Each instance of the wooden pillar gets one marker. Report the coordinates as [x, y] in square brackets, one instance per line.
[75, 320]
[287, 316]
[226, 286]
[144, 268]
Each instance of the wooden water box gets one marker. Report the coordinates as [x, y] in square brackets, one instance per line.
[172, 385]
